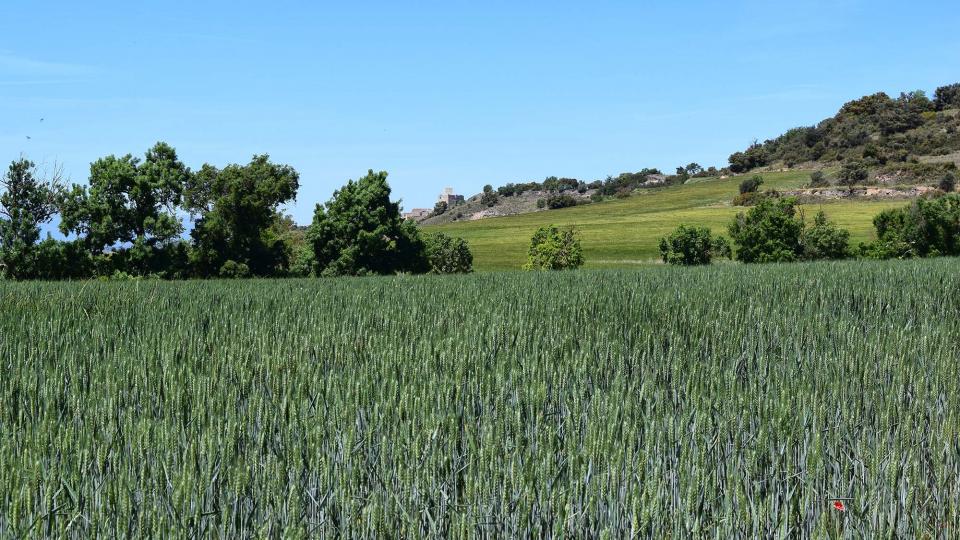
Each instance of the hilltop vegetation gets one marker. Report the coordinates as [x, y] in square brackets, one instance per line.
[908, 139]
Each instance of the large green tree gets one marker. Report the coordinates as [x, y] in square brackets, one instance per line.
[359, 231]
[25, 203]
[769, 232]
[236, 233]
[129, 208]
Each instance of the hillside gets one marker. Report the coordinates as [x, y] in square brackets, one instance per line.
[625, 232]
[889, 148]
[908, 139]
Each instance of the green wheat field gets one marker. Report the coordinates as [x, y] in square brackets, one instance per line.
[728, 401]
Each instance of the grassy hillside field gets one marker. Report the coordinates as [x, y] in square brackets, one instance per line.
[726, 401]
[626, 232]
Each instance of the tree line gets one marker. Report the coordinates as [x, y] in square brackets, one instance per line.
[775, 230]
[129, 222]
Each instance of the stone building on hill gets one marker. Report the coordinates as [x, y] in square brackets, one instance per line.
[449, 197]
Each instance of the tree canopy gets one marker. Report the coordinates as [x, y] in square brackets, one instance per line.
[26, 203]
[238, 205]
[360, 231]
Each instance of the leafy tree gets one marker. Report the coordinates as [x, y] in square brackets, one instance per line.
[925, 228]
[750, 185]
[440, 208]
[298, 251]
[238, 209]
[852, 174]
[947, 97]
[360, 232]
[818, 179]
[130, 206]
[769, 232]
[824, 240]
[751, 158]
[489, 197]
[692, 246]
[26, 203]
[552, 248]
[693, 169]
[448, 255]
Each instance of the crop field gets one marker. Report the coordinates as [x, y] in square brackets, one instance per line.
[626, 232]
[727, 401]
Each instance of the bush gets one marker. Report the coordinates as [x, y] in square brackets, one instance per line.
[232, 269]
[751, 198]
[692, 246]
[560, 201]
[947, 97]
[824, 240]
[948, 183]
[925, 228]
[448, 255]
[489, 197]
[853, 173]
[751, 185]
[440, 208]
[552, 248]
[541, 203]
[818, 179]
[768, 232]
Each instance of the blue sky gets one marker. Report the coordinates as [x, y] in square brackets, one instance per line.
[448, 93]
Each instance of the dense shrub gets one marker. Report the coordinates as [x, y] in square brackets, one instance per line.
[825, 240]
[750, 185]
[448, 255]
[692, 246]
[751, 198]
[552, 248]
[489, 197]
[947, 183]
[927, 227]
[560, 201]
[852, 174]
[753, 157]
[769, 232]
[818, 179]
[947, 97]
[233, 270]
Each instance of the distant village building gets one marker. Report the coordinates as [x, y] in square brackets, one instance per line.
[449, 197]
[417, 213]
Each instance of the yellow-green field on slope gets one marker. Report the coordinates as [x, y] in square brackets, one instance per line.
[626, 232]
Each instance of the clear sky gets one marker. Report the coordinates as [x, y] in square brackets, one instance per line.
[448, 93]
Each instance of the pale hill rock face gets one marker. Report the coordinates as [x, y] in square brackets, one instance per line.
[866, 193]
[472, 209]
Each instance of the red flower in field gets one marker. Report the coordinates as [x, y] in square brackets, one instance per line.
[839, 506]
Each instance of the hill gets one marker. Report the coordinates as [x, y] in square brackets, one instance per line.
[907, 146]
[625, 232]
[908, 139]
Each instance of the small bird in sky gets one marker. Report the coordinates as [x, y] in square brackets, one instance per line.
[28, 137]
[41, 119]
